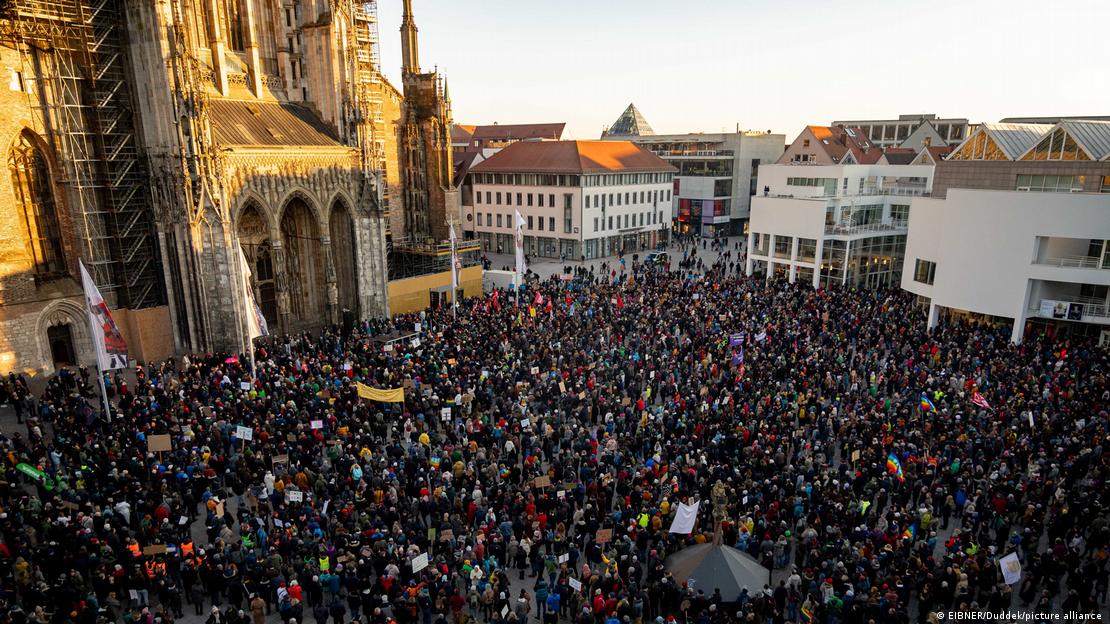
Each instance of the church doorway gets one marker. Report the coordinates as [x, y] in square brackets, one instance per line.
[254, 236]
[304, 267]
[60, 338]
[343, 251]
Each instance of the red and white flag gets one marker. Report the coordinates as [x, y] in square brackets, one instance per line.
[111, 350]
[978, 399]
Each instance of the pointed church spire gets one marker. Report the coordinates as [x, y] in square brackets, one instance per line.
[410, 49]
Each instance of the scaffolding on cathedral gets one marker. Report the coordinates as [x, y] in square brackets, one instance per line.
[74, 76]
[411, 258]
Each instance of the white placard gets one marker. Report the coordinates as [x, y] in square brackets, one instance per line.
[417, 327]
[563, 558]
[316, 424]
[561, 494]
[387, 348]
[1011, 568]
[685, 519]
[244, 385]
[525, 423]
[575, 584]
[419, 562]
[294, 496]
[535, 370]
[445, 413]
[244, 433]
[415, 342]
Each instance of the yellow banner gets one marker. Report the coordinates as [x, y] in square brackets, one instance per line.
[396, 395]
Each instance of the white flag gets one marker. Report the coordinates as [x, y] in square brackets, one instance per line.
[521, 265]
[256, 323]
[111, 349]
[1011, 568]
[685, 518]
[455, 267]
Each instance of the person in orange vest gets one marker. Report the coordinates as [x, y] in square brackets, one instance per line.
[155, 568]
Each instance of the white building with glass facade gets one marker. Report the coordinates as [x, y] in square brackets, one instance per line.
[833, 224]
[1017, 231]
[579, 199]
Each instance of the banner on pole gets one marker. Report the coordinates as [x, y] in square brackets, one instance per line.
[111, 349]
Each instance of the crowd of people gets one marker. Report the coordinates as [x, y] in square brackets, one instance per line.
[542, 448]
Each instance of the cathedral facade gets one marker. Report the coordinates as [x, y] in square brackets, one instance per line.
[156, 140]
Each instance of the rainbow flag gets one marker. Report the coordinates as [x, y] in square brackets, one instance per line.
[807, 616]
[926, 404]
[910, 532]
[894, 467]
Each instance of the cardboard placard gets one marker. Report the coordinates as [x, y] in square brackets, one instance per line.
[582, 396]
[70, 505]
[154, 549]
[280, 459]
[562, 387]
[542, 481]
[855, 456]
[159, 443]
[290, 437]
[603, 536]
[452, 361]
[431, 534]
[244, 433]
[220, 509]
[467, 398]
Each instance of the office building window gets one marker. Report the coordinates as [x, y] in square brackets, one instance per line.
[489, 219]
[1050, 183]
[595, 224]
[498, 198]
[479, 218]
[568, 202]
[529, 222]
[519, 197]
[551, 199]
[587, 201]
[550, 223]
[529, 199]
[626, 221]
[610, 223]
[498, 218]
[508, 199]
[540, 224]
[488, 197]
[478, 197]
[924, 271]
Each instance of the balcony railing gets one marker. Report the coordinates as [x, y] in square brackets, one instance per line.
[1097, 310]
[843, 229]
[900, 191]
[701, 153]
[1077, 262]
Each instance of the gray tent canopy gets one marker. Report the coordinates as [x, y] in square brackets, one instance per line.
[710, 566]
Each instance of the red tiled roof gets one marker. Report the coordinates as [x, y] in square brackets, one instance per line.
[519, 132]
[573, 157]
[461, 133]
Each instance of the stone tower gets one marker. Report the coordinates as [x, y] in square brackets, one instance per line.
[430, 198]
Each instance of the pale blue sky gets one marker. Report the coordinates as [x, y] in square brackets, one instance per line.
[706, 65]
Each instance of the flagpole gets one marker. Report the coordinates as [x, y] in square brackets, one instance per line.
[104, 397]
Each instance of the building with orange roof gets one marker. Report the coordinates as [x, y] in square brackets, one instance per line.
[579, 199]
